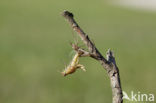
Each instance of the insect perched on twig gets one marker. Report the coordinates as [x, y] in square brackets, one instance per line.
[73, 66]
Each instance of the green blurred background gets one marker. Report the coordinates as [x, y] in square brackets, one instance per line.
[34, 48]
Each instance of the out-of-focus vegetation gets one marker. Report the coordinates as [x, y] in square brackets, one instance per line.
[34, 48]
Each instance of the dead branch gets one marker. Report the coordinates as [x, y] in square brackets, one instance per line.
[108, 64]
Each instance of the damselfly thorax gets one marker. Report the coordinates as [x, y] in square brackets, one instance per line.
[73, 66]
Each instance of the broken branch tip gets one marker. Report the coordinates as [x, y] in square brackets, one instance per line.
[67, 14]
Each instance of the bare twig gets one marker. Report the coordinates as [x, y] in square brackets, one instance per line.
[82, 52]
[109, 64]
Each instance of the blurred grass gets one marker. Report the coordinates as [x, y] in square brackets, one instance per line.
[34, 45]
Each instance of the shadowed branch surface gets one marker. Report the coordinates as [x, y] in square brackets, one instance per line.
[108, 64]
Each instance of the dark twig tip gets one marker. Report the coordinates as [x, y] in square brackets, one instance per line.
[67, 14]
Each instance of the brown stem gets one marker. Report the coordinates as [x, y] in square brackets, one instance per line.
[109, 63]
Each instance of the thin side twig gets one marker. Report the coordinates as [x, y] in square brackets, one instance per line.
[109, 64]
